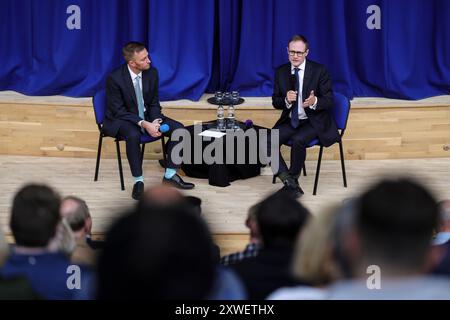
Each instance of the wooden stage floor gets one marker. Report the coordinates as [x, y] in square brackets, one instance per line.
[224, 209]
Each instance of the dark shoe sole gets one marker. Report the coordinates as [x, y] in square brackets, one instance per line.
[178, 186]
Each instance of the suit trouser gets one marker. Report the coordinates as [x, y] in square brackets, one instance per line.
[300, 138]
[132, 134]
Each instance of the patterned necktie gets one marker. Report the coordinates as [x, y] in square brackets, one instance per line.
[139, 97]
[294, 116]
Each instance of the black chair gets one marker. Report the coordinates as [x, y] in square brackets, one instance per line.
[99, 103]
[339, 112]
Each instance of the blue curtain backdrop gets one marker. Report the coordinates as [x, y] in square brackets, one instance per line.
[204, 45]
[39, 55]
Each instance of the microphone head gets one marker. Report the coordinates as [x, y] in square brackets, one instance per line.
[164, 128]
[293, 81]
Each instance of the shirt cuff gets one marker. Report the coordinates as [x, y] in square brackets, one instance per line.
[315, 104]
[140, 123]
[288, 105]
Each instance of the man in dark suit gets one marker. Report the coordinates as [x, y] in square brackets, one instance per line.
[303, 90]
[133, 108]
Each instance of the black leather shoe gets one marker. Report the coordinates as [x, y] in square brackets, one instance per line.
[177, 182]
[298, 186]
[292, 188]
[295, 178]
[300, 190]
[138, 189]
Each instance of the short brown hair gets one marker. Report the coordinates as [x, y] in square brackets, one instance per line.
[131, 48]
[301, 38]
[35, 215]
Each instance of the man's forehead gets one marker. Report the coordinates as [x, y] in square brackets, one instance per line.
[297, 44]
[141, 54]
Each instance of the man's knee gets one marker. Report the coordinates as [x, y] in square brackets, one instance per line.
[133, 137]
[176, 125]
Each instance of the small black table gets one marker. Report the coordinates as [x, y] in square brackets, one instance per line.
[221, 175]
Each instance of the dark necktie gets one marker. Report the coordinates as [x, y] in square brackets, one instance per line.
[294, 115]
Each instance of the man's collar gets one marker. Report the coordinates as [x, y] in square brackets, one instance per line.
[132, 74]
[301, 67]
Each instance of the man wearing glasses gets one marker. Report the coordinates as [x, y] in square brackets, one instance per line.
[303, 90]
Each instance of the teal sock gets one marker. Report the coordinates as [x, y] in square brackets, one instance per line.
[169, 173]
[137, 179]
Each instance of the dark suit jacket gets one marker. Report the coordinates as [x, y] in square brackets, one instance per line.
[267, 272]
[316, 78]
[121, 99]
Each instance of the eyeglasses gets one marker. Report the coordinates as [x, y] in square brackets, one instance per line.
[298, 53]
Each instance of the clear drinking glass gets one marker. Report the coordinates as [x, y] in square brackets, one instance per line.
[219, 96]
[235, 97]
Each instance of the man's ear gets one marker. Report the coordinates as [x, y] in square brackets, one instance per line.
[352, 246]
[88, 225]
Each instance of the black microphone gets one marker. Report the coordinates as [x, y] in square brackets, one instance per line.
[292, 82]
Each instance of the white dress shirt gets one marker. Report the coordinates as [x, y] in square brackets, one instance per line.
[301, 74]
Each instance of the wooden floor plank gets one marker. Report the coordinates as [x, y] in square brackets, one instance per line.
[224, 209]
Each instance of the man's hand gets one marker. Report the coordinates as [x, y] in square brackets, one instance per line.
[310, 101]
[152, 128]
[291, 96]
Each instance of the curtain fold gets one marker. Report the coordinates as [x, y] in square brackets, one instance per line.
[207, 45]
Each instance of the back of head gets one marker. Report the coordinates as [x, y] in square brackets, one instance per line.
[395, 220]
[313, 259]
[35, 215]
[343, 226]
[160, 252]
[279, 219]
[75, 211]
[163, 196]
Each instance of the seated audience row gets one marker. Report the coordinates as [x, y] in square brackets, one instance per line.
[390, 242]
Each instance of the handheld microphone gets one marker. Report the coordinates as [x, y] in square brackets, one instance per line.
[164, 128]
[293, 82]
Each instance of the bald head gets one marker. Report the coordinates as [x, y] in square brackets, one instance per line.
[161, 195]
[76, 212]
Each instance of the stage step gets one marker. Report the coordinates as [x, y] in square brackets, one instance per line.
[377, 128]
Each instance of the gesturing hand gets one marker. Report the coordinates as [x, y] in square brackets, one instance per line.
[310, 101]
